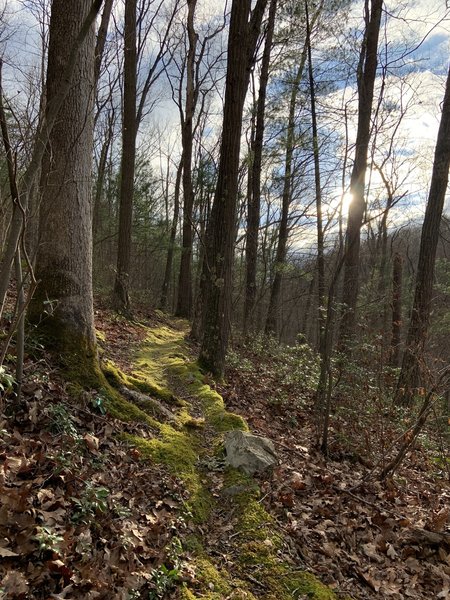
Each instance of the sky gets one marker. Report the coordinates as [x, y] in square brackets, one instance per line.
[414, 47]
[415, 50]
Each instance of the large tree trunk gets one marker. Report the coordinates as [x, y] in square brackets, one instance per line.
[62, 306]
[254, 200]
[29, 180]
[121, 299]
[220, 237]
[410, 375]
[366, 80]
[184, 304]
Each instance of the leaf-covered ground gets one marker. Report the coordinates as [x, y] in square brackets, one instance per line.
[143, 506]
[370, 539]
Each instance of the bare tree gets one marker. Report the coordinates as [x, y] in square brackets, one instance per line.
[410, 375]
[136, 93]
[245, 26]
[184, 304]
[254, 192]
[366, 74]
[121, 300]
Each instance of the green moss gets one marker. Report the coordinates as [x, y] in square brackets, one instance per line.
[211, 578]
[173, 450]
[185, 594]
[101, 337]
[113, 374]
[118, 378]
[214, 409]
[305, 584]
[121, 409]
[255, 520]
[258, 545]
[177, 450]
[257, 555]
[185, 420]
[191, 543]
[256, 548]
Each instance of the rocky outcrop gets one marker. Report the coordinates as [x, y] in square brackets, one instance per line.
[251, 453]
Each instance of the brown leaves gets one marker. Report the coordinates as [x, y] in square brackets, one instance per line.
[380, 541]
[14, 584]
[130, 508]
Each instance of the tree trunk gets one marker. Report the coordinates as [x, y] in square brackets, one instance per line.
[366, 79]
[62, 305]
[121, 299]
[101, 171]
[184, 303]
[318, 189]
[220, 237]
[29, 181]
[101, 39]
[254, 200]
[410, 375]
[173, 234]
[397, 284]
[272, 321]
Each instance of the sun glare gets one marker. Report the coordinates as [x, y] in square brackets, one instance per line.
[346, 201]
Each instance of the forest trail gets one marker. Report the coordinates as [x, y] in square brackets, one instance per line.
[122, 492]
[270, 537]
[232, 546]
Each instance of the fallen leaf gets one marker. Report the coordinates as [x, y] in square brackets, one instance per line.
[6, 553]
[14, 583]
[92, 442]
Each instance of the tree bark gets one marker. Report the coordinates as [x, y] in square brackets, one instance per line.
[101, 172]
[410, 375]
[46, 124]
[318, 189]
[121, 299]
[254, 200]
[397, 284]
[101, 39]
[220, 237]
[184, 303]
[173, 234]
[366, 80]
[62, 305]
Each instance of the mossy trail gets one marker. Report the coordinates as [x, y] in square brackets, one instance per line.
[252, 562]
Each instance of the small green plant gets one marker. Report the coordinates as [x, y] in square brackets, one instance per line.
[48, 540]
[98, 405]
[122, 512]
[236, 361]
[62, 421]
[165, 578]
[6, 381]
[64, 461]
[92, 501]
[297, 364]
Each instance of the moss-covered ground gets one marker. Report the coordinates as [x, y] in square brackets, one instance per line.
[188, 446]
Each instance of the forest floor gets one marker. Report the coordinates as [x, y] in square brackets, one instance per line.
[106, 497]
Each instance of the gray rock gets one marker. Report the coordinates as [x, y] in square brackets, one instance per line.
[251, 453]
